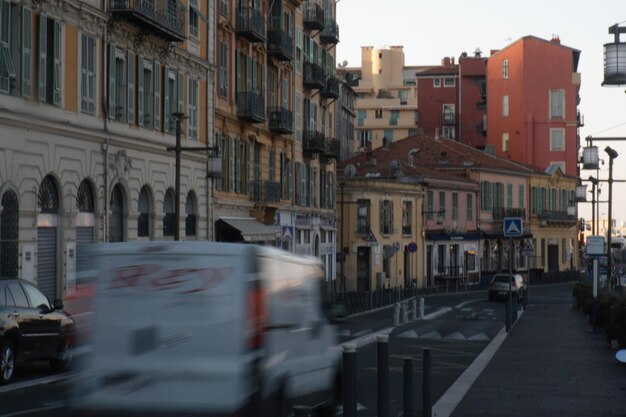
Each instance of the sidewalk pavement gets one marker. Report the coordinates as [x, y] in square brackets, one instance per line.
[550, 364]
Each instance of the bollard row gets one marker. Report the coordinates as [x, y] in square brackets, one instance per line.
[408, 310]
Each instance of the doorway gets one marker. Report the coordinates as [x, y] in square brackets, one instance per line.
[363, 256]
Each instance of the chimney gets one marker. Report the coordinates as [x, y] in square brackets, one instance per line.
[445, 62]
[477, 53]
[555, 39]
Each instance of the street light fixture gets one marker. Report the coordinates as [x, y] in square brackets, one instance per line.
[615, 58]
[612, 155]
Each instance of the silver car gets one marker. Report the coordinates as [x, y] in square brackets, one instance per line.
[499, 287]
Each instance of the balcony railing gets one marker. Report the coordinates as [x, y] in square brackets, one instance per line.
[500, 213]
[331, 89]
[448, 118]
[266, 191]
[251, 106]
[250, 24]
[280, 45]
[280, 120]
[164, 18]
[556, 216]
[312, 143]
[314, 76]
[330, 33]
[313, 17]
[332, 149]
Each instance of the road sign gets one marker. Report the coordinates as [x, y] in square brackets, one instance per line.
[370, 237]
[512, 227]
[288, 233]
[528, 249]
[595, 246]
[412, 247]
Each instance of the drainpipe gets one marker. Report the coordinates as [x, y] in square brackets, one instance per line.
[460, 103]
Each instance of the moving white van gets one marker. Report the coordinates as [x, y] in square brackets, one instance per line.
[212, 329]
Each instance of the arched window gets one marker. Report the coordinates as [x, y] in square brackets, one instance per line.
[48, 196]
[47, 238]
[9, 233]
[85, 223]
[191, 219]
[145, 213]
[169, 214]
[116, 223]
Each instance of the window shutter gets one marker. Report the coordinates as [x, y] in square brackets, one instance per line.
[157, 95]
[130, 62]
[237, 72]
[112, 82]
[167, 112]
[237, 166]
[246, 158]
[248, 73]
[290, 179]
[391, 228]
[230, 164]
[140, 92]
[180, 96]
[220, 151]
[56, 70]
[27, 33]
[43, 41]
[381, 225]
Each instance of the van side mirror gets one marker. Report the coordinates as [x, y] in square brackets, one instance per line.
[58, 304]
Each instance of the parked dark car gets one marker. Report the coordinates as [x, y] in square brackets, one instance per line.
[499, 287]
[31, 329]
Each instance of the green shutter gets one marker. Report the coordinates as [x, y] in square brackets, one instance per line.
[56, 69]
[167, 109]
[112, 82]
[43, 41]
[130, 62]
[27, 33]
[180, 96]
[237, 72]
[157, 95]
[246, 157]
[140, 92]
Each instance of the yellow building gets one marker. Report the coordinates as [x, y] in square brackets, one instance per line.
[274, 125]
[88, 90]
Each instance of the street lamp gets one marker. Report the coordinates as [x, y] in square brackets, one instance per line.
[612, 155]
[615, 58]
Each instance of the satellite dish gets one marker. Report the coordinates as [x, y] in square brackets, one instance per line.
[349, 170]
[344, 63]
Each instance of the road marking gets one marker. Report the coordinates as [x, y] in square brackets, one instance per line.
[480, 337]
[368, 338]
[432, 335]
[455, 336]
[33, 410]
[410, 334]
[362, 332]
[463, 304]
[32, 383]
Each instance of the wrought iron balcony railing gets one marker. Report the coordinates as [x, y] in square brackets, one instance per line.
[332, 149]
[331, 89]
[266, 191]
[280, 45]
[330, 33]
[556, 216]
[251, 106]
[313, 143]
[313, 17]
[163, 18]
[500, 213]
[250, 24]
[314, 76]
[280, 120]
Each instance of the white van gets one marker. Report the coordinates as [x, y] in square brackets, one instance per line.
[185, 328]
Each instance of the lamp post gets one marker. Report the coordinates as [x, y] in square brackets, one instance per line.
[612, 155]
[594, 184]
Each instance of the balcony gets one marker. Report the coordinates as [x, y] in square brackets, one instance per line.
[499, 213]
[331, 89]
[556, 217]
[163, 18]
[280, 45]
[448, 118]
[313, 17]
[330, 33]
[265, 191]
[332, 150]
[312, 143]
[280, 120]
[250, 24]
[314, 76]
[251, 106]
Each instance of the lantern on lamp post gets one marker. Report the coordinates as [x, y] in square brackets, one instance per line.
[615, 58]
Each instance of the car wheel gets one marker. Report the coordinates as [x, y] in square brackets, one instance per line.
[7, 362]
[65, 357]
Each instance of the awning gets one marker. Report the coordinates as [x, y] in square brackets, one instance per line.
[251, 229]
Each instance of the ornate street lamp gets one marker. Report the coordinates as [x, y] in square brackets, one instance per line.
[615, 59]
[581, 193]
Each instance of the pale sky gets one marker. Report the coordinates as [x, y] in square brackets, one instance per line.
[431, 30]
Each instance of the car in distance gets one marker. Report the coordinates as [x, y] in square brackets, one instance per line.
[499, 286]
[31, 329]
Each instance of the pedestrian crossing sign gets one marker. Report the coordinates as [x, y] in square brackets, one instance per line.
[528, 249]
[512, 227]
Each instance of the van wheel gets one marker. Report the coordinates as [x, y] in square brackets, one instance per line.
[65, 357]
[7, 362]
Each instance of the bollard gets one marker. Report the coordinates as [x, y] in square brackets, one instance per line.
[349, 380]
[427, 408]
[405, 312]
[408, 387]
[414, 308]
[383, 376]
[396, 314]
[422, 307]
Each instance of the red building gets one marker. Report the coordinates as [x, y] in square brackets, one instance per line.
[533, 87]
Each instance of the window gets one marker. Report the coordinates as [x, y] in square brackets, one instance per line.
[224, 7]
[393, 120]
[143, 221]
[87, 74]
[169, 218]
[505, 68]
[121, 85]
[455, 206]
[362, 115]
[436, 82]
[378, 114]
[223, 69]
[146, 86]
[449, 82]
[470, 206]
[430, 205]
[560, 164]
[363, 216]
[49, 60]
[298, 117]
[386, 217]
[389, 135]
[298, 50]
[38, 300]
[403, 95]
[509, 195]
[15, 49]
[447, 132]
[172, 99]
[192, 109]
[16, 293]
[407, 215]
[505, 106]
[557, 139]
[447, 112]
[557, 104]
[486, 196]
[193, 19]
[505, 142]
[364, 138]
[191, 218]
[442, 207]
[520, 196]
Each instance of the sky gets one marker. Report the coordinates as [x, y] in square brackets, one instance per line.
[429, 31]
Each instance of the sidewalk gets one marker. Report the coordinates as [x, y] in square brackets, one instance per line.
[549, 365]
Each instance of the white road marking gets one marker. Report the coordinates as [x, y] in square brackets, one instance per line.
[432, 335]
[455, 336]
[480, 337]
[410, 334]
[463, 304]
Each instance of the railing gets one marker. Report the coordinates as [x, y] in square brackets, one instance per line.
[280, 120]
[314, 76]
[312, 143]
[250, 23]
[267, 191]
[313, 17]
[330, 33]
[556, 215]
[500, 213]
[280, 45]
[165, 18]
[251, 106]
[332, 149]
[331, 89]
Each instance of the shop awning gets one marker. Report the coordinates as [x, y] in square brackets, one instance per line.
[251, 229]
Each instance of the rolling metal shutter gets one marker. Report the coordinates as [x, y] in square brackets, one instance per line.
[47, 261]
[84, 237]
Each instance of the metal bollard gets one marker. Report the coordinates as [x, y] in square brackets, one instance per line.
[383, 376]
[422, 307]
[396, 314]
[405, 312]
[414, 308]
[408, 387]
[427, 409]
[349, 380]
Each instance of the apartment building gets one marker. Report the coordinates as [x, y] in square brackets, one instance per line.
[89, 90]
[533, 94]
[275, 125]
